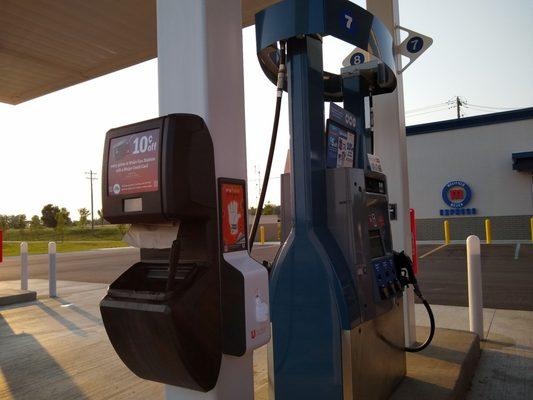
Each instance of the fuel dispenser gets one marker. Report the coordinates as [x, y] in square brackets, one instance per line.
[195, 297]
[336, 284]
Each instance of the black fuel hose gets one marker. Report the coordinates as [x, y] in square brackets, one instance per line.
[280, 85]
[431, 323]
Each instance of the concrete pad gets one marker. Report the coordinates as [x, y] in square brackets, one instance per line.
[58, 348]
[506, 366]
[14, 296]
[451, 317]
[505, 369]
[442, 371]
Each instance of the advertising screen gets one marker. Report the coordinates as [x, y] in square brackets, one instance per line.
[134, 163]
[340, 148]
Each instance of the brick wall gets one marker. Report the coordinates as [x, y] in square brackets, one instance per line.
[513, 227]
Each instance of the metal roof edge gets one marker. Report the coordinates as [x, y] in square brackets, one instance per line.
[470, 122]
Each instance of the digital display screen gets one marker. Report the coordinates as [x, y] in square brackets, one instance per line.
[133, 165]
[376, 244]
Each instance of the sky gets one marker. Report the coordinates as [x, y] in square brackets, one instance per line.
[482, 51]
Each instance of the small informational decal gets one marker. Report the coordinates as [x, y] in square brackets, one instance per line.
[233, 215]
[374, 163]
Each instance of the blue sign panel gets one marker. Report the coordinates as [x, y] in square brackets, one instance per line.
[357, 58]
[342, 116]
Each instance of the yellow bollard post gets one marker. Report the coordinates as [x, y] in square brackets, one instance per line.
[446, 232]
[531, 222]
[488, 232]
[262, 234]
[279, 229]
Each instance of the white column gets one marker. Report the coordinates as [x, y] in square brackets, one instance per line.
[391, 147]
[201, 72]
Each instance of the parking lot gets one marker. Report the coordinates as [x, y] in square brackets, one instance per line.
[442, 274]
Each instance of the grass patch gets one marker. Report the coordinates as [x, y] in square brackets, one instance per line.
[13, 249]
[71, 234]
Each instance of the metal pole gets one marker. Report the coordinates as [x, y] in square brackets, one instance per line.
[414, 252]
[475, 292]
[92, 202]
[446, 232]
[91, 177]
[262, 234]
[517, 251]
[488, 232]
[24, 266]
[52, 286]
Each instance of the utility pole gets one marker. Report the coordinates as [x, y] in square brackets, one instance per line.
[459, 102]
[92, 177]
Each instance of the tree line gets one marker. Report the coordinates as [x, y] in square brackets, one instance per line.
[52, 216]
[268, 209]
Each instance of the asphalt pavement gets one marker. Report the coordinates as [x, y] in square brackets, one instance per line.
[507, 283]
[95, 266]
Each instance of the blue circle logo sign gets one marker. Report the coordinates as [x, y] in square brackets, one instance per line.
[456, 194]
[415, 44]
[357, 58]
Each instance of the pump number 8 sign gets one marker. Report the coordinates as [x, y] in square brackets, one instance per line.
[357, 58]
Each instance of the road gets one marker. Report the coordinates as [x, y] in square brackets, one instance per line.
[507, 283]
[95, 266]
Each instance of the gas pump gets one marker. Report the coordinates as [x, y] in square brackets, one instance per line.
[336, 284]
[195, 299]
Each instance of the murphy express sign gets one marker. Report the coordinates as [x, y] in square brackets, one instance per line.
[457, 195]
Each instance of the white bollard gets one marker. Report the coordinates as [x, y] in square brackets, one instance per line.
[24, 265]
[475, 292]
[52, 269]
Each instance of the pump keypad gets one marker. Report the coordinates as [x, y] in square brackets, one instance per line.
[386, 279]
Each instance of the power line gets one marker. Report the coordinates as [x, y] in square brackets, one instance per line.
[459, 103]
[415, 110]
[429, 112]
[493, 108]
